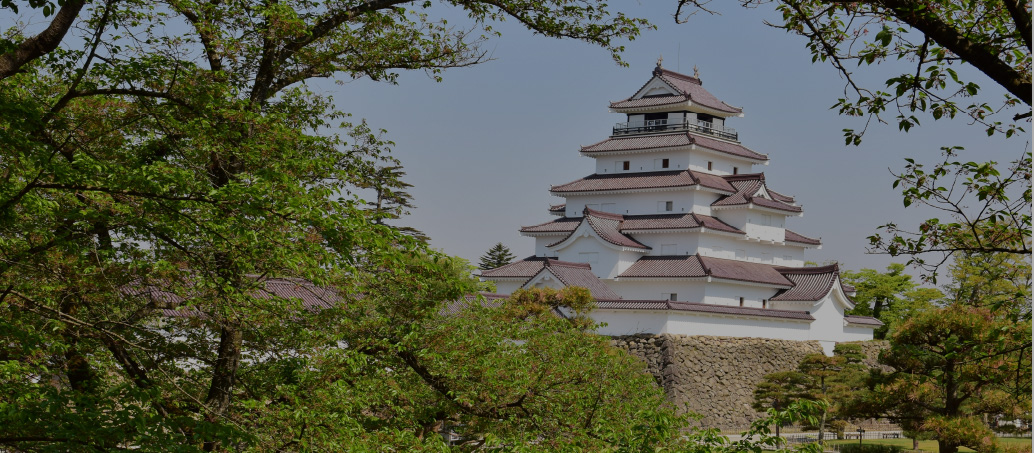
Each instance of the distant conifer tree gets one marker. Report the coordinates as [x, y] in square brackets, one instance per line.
[499, 255]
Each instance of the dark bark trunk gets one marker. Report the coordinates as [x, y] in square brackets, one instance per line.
[43, 43]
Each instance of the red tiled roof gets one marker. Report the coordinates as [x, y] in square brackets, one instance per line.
[644, 180]
[640, 222]
[689, 266]
[701, 308]
[311, 296]
[665, 266]
[810, 283]
[780, 197]
[652, 101]
[652, 141]
[580, 276]
[606, 225]
[557, 207]
[561, 225]
[689, 87]
[675, 221]
[863, 320]
[527, 267]
[746, 186]
[791, 236]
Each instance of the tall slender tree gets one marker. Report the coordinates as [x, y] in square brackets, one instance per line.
[497, 256]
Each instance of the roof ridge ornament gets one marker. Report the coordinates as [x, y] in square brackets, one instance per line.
[696, 72]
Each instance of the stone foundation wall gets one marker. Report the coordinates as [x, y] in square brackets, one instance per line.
[716, 376]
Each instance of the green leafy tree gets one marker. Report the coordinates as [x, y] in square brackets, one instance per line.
[952, 366]
[833, 379]
[391, 200]
[779, 390]
[497, 256]
[985, 204]
[878, 291]
[161, 163]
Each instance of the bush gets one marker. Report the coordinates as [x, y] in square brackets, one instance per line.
[838, 426]
[869, 448]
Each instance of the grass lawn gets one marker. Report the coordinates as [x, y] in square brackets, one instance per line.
[931, 445]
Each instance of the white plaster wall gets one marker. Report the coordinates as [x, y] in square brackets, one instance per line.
[829, 321]
[639, 203]
[507, 286]
[608, 261]
[735, 217]
[720, 165]
[741, 249]
[684, 243]
[642, 162]
[687, 290]
[723, 293]
[756, 226]
[542, 241]
[628, 322]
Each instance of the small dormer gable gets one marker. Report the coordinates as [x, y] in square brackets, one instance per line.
[656, 87]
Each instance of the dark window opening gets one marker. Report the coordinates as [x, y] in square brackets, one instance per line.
[665, 163]
[668, 206]
[625, 165]
[735, 170]
[673, 296]
[703, 117]
[741, 301]
[709, 165]
[764, 303]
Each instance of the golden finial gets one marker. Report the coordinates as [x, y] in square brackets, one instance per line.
[696, 72]
[660, 59]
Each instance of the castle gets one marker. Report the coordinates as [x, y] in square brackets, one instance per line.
[675, 233]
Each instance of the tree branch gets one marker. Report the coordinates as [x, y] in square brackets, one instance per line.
[43, 43]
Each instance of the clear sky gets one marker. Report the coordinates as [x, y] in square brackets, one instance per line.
[483, 146]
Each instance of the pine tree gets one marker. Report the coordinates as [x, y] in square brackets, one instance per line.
[499, 255]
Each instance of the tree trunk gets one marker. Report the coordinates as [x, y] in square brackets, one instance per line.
[946, 447]
[822, 428]
[915, 443]
[223, 376]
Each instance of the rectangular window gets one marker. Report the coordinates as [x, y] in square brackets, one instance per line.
[626, 165]
[735, 170]
[665, 206]
[673, 296]
[764, 303]
[741, 301]
[710, 165]
[665, 163]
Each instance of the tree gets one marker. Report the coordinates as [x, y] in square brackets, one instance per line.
[162, 166]
[928, 40]
[497, 256]
[951, 366]
[879, 291]
[779, 390]
[818, 378]
[391, 201]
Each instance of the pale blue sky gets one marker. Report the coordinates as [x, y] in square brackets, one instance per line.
[483, 146]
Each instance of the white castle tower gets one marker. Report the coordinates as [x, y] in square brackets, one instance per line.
[676, 233]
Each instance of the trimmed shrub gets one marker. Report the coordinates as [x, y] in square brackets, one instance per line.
[870, 448]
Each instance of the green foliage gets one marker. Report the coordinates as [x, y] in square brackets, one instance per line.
[170, 158]
[953, 365]
[497, 256]
[889, 296]
[985, 204]
[869, 448]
